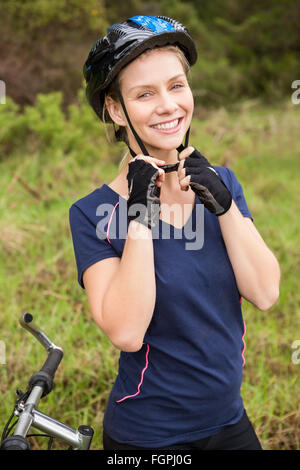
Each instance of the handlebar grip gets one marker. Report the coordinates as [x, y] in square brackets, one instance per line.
[45, 376]
[52, 361]
[15, 443]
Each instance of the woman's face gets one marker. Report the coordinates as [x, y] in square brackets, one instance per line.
[158, 100]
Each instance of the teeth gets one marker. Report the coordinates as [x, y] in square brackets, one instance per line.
[167, 125]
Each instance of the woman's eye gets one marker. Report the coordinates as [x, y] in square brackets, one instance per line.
[144, 95]
[177, 85]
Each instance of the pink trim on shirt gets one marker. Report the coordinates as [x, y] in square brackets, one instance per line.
[244, 344]
[110, 219]
[141, 381]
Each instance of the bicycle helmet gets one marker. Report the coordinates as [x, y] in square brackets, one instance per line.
[123, 43]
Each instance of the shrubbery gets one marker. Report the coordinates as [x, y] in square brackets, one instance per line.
[47, 128]
[246, 49]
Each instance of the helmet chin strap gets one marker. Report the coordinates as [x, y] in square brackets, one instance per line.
[139, 141]
[186, 142]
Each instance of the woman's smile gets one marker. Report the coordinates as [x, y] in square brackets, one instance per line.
[168, 127]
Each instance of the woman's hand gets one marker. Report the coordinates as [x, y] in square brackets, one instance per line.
[195, 171]
[144, 185]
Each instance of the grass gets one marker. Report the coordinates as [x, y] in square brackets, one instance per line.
[38, 272]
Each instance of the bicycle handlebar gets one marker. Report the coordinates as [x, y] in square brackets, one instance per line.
[27, 322]
[46, 374]
[40, 385]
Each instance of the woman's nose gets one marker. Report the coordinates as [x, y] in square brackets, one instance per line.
[166, 104]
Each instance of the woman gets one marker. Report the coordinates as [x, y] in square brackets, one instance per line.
[173, 309]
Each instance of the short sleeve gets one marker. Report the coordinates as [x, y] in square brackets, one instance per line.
[238, 194]
[88, 248]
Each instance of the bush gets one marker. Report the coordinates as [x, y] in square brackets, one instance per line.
[45, 127]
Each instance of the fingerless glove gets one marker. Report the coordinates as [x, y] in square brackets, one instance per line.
[143, 204]
[207, 184]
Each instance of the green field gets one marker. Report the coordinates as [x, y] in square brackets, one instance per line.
[49, 160]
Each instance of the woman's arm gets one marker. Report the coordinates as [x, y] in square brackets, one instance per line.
[123, 301]
[129, 302]
[256, 269]
[122, 292]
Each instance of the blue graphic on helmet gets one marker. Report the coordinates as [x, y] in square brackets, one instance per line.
[157, 25]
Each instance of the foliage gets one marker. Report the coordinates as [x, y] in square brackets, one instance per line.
[31, 15]
[246, 49]
[45, 126]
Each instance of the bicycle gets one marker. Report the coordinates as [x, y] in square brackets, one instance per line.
[40, 385]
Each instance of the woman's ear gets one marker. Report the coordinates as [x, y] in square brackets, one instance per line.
[114, 109]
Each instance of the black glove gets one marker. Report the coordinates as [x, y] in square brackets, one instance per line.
[207, 184]
[144, 192]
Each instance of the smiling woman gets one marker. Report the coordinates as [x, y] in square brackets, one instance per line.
[173, 311]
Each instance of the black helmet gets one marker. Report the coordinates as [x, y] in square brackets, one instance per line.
[123, 43]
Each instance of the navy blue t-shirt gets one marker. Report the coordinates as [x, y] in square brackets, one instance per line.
[184, 383]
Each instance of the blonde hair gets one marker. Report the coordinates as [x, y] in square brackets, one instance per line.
[121, 133]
